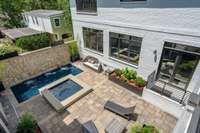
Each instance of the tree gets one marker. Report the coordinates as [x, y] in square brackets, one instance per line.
[12, 9]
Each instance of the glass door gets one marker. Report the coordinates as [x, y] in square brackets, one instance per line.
[177, 65]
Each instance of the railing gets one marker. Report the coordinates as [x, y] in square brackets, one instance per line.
[171, 91]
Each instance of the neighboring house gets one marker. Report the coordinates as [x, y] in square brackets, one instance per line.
[160, 39]
[51, 21]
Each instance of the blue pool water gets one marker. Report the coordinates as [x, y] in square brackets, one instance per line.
[30, 88]
[65, 89]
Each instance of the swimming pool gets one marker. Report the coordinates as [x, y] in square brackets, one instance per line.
[30, 88]
[65, 89]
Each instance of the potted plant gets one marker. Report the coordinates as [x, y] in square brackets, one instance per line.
[137, 128]
[27, 124]
[74, 52]
[128, 79]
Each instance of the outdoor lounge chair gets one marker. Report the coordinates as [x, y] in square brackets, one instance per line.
[127, 113]
[115, 127]
[89, 127]
[52, 101]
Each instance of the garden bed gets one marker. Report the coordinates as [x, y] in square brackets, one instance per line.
[130, 84]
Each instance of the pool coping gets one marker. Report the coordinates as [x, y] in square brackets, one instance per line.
[68, 101]
[12, 96]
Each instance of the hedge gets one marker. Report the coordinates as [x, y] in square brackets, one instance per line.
[8, 48]
[33, 42]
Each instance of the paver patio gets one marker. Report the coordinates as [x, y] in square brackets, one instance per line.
[90, 107]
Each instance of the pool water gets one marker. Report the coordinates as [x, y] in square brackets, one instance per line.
[66, 89]
[30, 88]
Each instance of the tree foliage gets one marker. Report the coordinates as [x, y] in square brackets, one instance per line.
[13, 9]
[33, 42]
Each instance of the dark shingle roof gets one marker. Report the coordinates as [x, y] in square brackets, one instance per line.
[44, 13]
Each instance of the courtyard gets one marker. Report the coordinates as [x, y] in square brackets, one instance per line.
[91, 107]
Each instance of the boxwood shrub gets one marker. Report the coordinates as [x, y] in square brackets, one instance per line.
[33, 42]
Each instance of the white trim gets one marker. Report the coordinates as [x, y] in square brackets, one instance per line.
[123, 62]
[140, 27]
[93, 51]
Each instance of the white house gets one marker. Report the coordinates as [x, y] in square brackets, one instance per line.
[160, 38]
[50, 21]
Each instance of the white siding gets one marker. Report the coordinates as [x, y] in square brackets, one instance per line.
[156, 25]
[44, 24]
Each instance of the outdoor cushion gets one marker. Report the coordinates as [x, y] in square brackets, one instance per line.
[118, 109]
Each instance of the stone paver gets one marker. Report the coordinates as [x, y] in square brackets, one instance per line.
[9, 111]
[91, 107]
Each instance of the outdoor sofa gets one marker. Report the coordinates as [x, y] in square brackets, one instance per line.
[92, 63]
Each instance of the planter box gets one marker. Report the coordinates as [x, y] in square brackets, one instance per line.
[126, 85]
[9, 55]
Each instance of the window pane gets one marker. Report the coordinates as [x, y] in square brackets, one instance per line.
[125, 47]
[86, 5]
[123, 50]
[93, 39]
[57, 22]
[114, 47]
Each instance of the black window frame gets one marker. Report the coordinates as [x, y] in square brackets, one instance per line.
[133, 0]
[131, 41]
[89, 6]
[59, 22]
[98, 35]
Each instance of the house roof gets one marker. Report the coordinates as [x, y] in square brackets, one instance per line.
[20, 32]
[44, 13]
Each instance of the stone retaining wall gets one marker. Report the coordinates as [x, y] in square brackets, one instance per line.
[31, 64]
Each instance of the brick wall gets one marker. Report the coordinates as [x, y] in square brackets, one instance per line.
[31, 64]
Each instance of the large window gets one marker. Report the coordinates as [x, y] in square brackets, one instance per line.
[125, 47]
[86, 5]
[178, 62]
[93, 39]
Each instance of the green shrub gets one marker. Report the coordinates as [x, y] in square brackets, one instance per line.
[145, 129]
[136, 129]
[189, 65]
[149, 129]
[129, 74]
[8, 48]
[118, 72]
[26, 124]
[140, 82]
[33, 42]
[73, 49]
